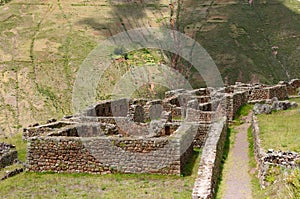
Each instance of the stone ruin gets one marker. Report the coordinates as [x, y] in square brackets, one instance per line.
[125, 135]
[8, 155]
[148, 136]
[273, 105]
[268, 158]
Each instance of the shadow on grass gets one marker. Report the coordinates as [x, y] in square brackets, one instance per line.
[189, 166]
[224, 157]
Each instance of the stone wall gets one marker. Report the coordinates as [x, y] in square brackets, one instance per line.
[8, 155]
[265, 159]
[43, 129]
[109, 108]
[233, 102]
[258, 150]
[193, 115]
[258, 94]
[279, 91]
[164, 155]
[293, 87]
[210, 163]
[264, 93]
[201, 135]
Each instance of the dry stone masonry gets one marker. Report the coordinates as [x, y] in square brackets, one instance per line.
[125, 136]
[8, 155]
[155, 136]
[267, 158]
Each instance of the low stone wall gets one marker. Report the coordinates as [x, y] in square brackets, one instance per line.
[258, 94]
[210, 163]
[164, 155]
[109, 108]
[265, 160]
[8, 155]
[107, 120]
[259, 153]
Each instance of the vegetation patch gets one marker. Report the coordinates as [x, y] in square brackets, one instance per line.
[280, 130]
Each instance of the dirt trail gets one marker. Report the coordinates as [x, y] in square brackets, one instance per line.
[237, 180]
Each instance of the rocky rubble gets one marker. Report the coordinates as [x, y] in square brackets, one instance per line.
[8, 155]
[280, 158]
[4, 148]
[273, 105]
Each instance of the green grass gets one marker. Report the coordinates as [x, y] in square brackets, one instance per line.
[51, 185]
[10, 168]
[280, 130]
[283, 183]
[242, 112]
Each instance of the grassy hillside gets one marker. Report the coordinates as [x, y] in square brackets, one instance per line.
[43, 43]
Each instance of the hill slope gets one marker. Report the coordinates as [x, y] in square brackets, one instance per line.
[43, 43]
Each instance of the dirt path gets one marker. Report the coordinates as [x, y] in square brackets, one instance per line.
[237, 179]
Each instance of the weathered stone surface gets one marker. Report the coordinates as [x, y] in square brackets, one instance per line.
[8, 155]
[12, 173]
[139, 114]
[262, 109]
[273, 105]
[271, 157]
[209, 168]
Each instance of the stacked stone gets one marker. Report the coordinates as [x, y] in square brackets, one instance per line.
[108, 154]
[279, 91]
[281, 158]
[210, 163]
[234, 102]
[199, 116]
[258, 94]
[294, 86]
[273, 105]
[239, 99]
[4, 148]
[201, 135]
[8, 155]
[33, 130]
